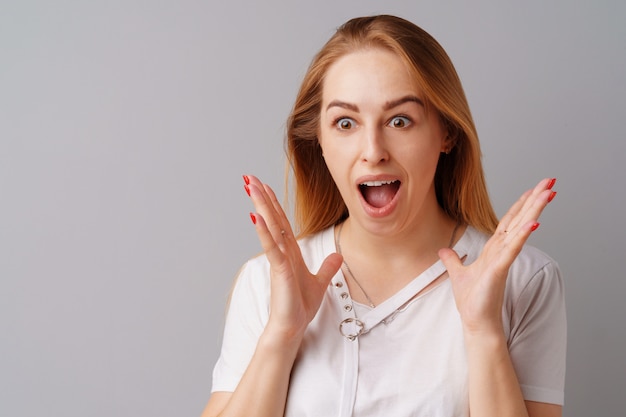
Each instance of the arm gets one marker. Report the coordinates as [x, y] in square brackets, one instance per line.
[296, 295]
[493, 387]
[263, 386]
[536, 409]
[479, 288]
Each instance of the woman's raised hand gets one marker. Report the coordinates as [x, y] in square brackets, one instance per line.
[296, 293]
[479, 287]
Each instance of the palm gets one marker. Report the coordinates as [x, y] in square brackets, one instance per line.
[479, 287]
[296, 293]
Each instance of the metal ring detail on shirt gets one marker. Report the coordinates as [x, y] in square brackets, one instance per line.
[359, 326]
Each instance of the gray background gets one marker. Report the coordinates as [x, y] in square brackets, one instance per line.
[125, 127]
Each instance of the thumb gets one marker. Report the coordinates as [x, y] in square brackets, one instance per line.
[450, 260]
[329, 268]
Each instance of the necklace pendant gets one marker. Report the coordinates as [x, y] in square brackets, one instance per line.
[351, 328]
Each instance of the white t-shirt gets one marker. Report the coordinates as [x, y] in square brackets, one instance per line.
[409, 359]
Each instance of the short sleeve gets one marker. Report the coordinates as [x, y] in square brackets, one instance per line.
[246, 317]
[538, 336]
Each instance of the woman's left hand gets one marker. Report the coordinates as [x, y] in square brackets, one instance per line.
[479, 287]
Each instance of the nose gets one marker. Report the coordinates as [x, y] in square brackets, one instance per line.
[374, 147]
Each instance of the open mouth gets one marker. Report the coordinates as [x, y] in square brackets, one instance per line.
[379, 193]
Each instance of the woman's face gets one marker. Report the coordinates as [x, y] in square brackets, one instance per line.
[379, 142]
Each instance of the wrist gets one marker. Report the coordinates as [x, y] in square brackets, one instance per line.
[490, 337]
[486, 347]
[281, 340]
[487, 327]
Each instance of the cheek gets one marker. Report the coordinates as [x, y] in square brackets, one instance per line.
[421, 158]
[331, 151]
[334, 164]
[338, 166]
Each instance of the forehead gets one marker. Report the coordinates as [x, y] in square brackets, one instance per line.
[369, 76]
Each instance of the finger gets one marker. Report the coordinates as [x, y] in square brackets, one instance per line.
[329, 268]
[451, 261]
[282, 217]
[528, 207]
[506, 223]
[532, 211]
[263, 204]
[272, 250]
[525, 222]
[277, 222]
[541, 193]
[270, 199]
[288, 241]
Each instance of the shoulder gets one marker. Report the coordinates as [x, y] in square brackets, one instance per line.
[532, 267]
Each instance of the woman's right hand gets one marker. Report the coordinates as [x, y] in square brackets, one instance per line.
[296, 293]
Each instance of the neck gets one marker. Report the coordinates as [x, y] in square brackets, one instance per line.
[386, 263]
[424, 238]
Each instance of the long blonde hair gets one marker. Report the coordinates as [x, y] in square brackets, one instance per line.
[459, 179]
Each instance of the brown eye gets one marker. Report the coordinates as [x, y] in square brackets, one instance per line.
[399, 122]
[345, 123]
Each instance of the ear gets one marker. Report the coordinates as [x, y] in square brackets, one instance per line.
[450, 134]
[447, 144]
[319, 145]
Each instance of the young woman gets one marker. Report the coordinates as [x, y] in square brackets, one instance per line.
[399, 293]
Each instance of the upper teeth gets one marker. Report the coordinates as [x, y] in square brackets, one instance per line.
[376, 183]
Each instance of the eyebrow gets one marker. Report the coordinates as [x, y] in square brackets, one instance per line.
[406, 99]
[387, 106]
[343, 105]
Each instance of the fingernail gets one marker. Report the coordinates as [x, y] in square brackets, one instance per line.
[551, 183]
[552, 195]
[534, 227]
[245, 187]
[253, 218]
[246, 179]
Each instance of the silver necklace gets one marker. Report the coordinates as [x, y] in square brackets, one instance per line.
[356, 281]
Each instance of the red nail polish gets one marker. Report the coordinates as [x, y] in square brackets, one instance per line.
[551, 183]
[246, 179]
[552, 195]
[245, 187]
[253, 218]
[534, 227]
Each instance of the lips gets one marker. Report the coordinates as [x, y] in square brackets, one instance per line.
[379, 193]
